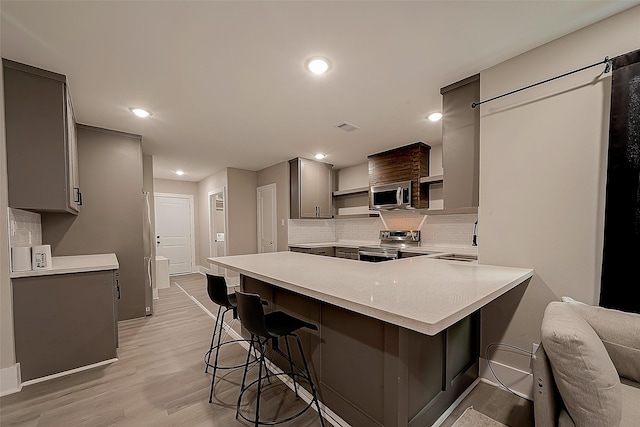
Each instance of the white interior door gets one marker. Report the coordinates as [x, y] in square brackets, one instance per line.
[267, 219]
[173, 231]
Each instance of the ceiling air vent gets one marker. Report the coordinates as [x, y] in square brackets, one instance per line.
[347, 127]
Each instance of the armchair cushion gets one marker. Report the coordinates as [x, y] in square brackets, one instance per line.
[619, 332]
[584, 374]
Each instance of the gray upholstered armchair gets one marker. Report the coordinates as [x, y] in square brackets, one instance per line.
[587, 368]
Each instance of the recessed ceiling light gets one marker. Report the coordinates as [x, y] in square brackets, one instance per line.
[140, 112]
[318, 65]
[179, 172]
[434, 117]
[320, 156]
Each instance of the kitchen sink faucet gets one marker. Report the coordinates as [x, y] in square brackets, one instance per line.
[475, 234]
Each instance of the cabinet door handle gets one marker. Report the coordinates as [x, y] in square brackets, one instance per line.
[118, 288]
[78, 196]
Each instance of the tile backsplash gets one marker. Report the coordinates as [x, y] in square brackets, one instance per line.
[310, 231]
[448, 230]
[25, 228]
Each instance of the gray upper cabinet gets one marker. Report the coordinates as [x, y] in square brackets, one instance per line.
[461, 143]
[310, 189]
[42, 164]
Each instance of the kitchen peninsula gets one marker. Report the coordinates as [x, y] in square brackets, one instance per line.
[398, 341]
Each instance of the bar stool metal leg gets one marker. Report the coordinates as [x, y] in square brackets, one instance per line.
[313, 388]
[244, 374]
[213, 337]
[293, 377]
[220, 320]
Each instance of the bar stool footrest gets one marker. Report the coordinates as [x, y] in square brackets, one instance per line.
[283, 420]
[210, 365]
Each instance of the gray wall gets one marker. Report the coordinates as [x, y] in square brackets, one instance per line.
[543, 155]
[242, 205]
[278, 174]
[7, 348]
[110, 220]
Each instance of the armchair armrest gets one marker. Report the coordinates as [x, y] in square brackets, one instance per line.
[545, 396]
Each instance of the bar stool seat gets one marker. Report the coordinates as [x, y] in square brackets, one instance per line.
[270, 327]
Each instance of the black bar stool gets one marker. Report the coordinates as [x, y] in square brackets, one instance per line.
[217, 290]
[264, 327]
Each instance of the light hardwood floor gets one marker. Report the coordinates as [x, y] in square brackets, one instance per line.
[159, 379]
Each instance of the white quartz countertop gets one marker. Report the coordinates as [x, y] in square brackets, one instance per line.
[419, 293]
[73, 264]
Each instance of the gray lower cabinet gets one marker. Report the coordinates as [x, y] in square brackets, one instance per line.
[409, 254]
[64, 321]
[324, 250]
[349, 253]
[42, 165]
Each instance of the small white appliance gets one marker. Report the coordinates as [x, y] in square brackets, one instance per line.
[41, 257]
[21, 258]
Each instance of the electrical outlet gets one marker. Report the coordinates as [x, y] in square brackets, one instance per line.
[534, 348]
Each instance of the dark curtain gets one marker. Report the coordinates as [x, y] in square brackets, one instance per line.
[620, 282]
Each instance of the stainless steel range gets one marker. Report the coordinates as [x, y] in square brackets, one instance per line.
[391, 241]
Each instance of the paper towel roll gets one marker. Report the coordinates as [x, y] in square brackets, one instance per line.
[41, 257]
[21, 258]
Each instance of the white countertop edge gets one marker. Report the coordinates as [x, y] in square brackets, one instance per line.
[383, 315]
[343, 244]
[73, 264]
[462, 313]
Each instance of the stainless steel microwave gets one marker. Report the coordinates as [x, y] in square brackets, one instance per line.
[391, 196]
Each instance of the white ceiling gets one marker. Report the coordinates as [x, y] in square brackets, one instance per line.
[226, 83]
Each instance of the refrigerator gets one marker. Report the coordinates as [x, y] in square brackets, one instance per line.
[114, 217]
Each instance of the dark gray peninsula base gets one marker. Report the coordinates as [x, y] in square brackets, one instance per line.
[374, 373]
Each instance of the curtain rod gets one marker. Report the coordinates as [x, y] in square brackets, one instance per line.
[606, 62]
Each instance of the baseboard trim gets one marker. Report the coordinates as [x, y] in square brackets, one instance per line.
[69, 372]
[10, 380]
[519, 382]
[456, 403]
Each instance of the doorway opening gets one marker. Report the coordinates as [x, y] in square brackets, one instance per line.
[217, 227]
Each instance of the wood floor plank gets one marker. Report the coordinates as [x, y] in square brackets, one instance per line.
[159, 379]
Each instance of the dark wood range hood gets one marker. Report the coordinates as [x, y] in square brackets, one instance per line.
[407, 163]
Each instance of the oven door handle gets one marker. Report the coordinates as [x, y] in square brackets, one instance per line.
[378, 254]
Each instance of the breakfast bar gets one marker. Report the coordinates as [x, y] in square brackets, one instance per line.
[397, 341]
